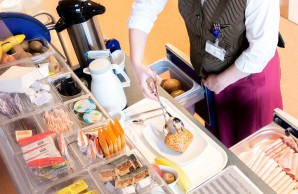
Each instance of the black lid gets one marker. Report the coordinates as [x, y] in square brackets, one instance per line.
[76, 12]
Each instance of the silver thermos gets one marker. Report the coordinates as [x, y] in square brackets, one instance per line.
[77, 17]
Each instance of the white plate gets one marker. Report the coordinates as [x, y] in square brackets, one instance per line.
[201, 167]
[155, 138]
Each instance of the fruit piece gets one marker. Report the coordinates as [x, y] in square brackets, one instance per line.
[171, 85]
[183, 179]
[35, 46]
[25, 45]
[8, 43]
[168, 177]
[157, 169]
[177, 93]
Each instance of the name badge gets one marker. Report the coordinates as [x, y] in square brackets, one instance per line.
[215, 50]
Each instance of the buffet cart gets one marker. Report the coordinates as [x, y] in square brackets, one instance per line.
[208, 164]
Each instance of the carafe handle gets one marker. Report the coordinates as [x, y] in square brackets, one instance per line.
[127, 80]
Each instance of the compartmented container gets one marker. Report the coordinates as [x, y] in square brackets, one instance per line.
[72, 142]
[272, 153]
[57, 119]
[36, 179]
[87, 111]
[22, 124]
[13, 105]
[77, 179]
[68, 86]
[41, 95]
[193, 91]
[104, 172]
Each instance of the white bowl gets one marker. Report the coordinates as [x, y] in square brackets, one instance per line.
[165, 169]
[118, 57]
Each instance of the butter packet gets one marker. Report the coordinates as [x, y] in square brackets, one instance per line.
[77, 187]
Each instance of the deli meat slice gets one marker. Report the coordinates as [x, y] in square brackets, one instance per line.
[277, 151]
[285, 160]
[294, 166]
[276, 143]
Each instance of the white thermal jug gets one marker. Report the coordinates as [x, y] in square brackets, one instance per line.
[106, 86]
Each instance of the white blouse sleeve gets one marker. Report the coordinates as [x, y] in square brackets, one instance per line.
[144, 14]
[262, 26]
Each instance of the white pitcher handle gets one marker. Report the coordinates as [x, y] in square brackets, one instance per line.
[87, 71]
[127, 80]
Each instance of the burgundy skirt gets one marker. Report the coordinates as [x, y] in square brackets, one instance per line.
[247, 105]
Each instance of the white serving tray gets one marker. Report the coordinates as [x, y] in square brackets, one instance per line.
[210, 160]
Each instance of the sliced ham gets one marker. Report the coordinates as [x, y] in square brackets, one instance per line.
[273, 175]
[281, 182]
[295, 191]
[257, 161]
[294, 166]
[277, 151]
[275, 143]
[289, 188]
[285, 185]
[285, 160]
[269, 170]
[274, 148]
[280, 153]
[262, 163]
[276, 179]
[266, 167]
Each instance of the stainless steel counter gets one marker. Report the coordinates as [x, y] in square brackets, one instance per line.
[133, 94]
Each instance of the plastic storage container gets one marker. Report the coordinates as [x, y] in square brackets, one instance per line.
[193, 91]
[148, 185]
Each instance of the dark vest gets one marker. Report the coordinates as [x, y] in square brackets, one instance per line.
[199, 19]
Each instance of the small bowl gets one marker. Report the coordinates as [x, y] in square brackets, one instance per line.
[118, 57]
[119, 115]
[165, 169]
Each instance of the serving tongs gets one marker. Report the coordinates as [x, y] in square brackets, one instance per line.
[172, 124]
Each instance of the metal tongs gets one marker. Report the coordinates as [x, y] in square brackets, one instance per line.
[172, 124]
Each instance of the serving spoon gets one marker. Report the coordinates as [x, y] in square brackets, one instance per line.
[172, 124]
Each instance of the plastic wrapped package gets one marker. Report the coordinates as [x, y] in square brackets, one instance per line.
[128, 173]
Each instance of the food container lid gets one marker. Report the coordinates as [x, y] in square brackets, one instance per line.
[84, 105]
[93, 116]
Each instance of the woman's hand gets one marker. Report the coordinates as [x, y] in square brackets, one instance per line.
[218, 83]
[143, 73]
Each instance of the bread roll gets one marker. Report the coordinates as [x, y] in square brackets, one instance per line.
[179, 142]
